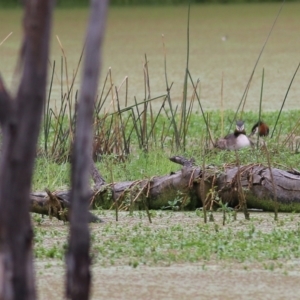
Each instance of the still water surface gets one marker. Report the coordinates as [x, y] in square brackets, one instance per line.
[225, 41]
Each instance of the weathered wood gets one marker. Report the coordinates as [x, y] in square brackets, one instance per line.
[20, 119]
[185, 184]
[78, 253]
[41, 204]
[255, 182]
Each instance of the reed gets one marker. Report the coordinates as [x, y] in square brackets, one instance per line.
[285, 97]
[241, 195]
[201, 108]
[273, 183]
[244, 96]
[6, 38]
[136, 126]
[168, 88]
[260, 102]
[122, 129]
[222, 107]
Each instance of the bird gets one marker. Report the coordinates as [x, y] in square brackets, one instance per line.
[260, 128]
[236, 140]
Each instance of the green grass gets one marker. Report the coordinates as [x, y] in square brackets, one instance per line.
[51, 175]
[139, 164]
[180, 237]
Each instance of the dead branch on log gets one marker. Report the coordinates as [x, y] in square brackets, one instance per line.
[55, 207]
[57, 204]
[255, 180]
[242, 199]
[272, 180]
[41, 204]
[182, 161]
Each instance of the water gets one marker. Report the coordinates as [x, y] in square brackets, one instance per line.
[225, 41]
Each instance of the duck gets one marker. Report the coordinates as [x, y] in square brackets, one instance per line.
[260, 128]
[236, 140]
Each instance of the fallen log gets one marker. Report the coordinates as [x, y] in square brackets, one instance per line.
[260, 191]
[55, 205]
[184, 185]
[182, 189]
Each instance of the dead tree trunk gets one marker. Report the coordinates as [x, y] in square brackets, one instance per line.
[253, 182]
[77, 257]
[56, 205]
[185, 186]
[20, 119]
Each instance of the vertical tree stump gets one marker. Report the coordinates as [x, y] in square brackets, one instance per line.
[77, 257]
[20, 119]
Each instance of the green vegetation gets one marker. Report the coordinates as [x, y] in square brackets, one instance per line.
[177, 237]
[137, 146]
[135, 142]
[52, 171]
[192, 241]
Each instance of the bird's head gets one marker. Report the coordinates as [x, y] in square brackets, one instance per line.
[240, 127]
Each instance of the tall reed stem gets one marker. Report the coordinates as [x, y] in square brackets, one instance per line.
[222, 108]
[254, 68]
[184, 100]
[287, 92]
[260, 102]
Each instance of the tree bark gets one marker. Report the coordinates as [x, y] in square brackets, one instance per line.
[77, 257]
[184, 185]
[20, 119]
[56, 205]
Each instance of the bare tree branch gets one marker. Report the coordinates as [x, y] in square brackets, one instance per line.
[77, 258]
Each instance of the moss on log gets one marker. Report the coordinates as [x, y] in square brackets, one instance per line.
[253, 181]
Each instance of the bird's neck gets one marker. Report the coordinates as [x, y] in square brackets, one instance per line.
[237, 133]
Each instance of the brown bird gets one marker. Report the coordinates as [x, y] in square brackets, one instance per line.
[260, 128]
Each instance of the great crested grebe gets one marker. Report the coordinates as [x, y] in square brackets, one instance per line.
[260, 128]
[236, 140]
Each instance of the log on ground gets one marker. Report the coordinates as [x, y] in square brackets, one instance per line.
[185, 185]
[182, 189]
[55, 205]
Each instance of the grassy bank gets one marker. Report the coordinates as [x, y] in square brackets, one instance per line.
[175, 243]
[132, 159]
[177, 237]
